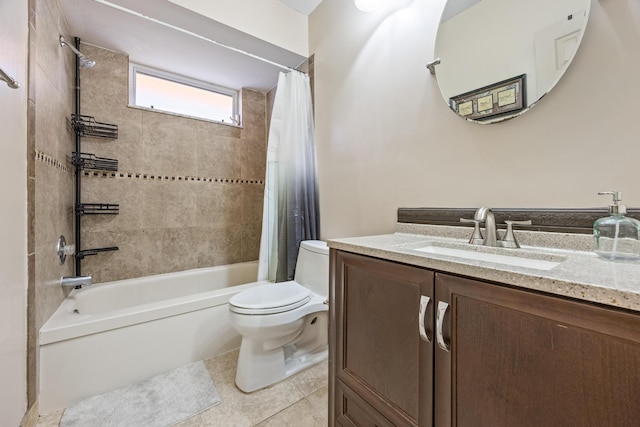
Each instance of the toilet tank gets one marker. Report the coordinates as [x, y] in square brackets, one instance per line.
[312, 266]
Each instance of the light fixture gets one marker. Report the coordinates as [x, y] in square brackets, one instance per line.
[369, 5]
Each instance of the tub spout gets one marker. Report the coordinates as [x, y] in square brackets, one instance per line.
[75, 281]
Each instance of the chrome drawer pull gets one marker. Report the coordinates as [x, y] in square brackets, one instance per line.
[424, 303]
[442, 310]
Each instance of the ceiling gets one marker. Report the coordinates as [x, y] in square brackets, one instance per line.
[152, 44]
[303, 6]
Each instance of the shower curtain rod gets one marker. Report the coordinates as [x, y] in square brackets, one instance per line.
[191, 33]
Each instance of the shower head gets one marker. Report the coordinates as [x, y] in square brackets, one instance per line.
[84, 61]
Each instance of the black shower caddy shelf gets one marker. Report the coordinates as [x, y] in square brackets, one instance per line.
[88, 161]
[87, 126]
[97, 209]
[87, 252]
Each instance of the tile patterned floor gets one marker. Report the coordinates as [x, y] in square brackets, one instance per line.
[299, 401]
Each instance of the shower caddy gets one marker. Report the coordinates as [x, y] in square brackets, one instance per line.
[87, 126]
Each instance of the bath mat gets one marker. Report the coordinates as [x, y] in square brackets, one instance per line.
[160, 401]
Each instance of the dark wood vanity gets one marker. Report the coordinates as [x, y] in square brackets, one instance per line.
[489, 354]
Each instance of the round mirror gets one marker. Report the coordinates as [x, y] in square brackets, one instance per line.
[499, 57]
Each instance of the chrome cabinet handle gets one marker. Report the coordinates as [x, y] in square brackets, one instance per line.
[424, 303]
[442, 310]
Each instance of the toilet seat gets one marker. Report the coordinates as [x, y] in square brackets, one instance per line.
[270, 299]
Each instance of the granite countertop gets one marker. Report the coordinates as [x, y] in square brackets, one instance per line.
[581, 274]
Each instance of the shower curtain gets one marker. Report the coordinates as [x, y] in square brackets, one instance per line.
[290, 210]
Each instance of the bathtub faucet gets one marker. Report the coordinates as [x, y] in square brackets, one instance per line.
[75, 281]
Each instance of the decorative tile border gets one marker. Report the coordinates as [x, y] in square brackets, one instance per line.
[67, 167]
[53, 162]
[150, 177]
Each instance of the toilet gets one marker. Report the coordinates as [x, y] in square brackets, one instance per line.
[284, 326]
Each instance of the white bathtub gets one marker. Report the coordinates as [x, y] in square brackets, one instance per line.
[118, 333]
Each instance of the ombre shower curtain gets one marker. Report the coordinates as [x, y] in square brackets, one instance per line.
[290, 211]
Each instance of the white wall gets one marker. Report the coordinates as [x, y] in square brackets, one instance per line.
[269, 20]
[13, 188]
[386, 139]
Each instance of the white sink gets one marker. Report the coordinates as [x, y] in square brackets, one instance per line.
[518, 259]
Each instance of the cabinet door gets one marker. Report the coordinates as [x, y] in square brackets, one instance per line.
[379, 353]
[519, 358]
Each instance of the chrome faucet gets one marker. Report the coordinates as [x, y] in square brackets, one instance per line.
[491, 237]
[485, 215]
[75, 281]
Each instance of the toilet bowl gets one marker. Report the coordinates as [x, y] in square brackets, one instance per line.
[283, 325]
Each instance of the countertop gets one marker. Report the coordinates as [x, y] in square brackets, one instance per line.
[581, 275]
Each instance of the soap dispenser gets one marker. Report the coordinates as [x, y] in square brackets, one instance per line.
[617, 237]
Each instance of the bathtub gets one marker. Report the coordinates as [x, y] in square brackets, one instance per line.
[114, 334]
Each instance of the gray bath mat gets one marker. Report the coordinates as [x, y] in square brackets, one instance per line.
[159, 401]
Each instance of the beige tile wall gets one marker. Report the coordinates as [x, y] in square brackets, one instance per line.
[50, 178]
[164, 224]
[190, 191]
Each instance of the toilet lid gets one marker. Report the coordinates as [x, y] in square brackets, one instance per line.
[270, 298]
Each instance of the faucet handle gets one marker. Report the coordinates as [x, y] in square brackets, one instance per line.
[476, 238]
[509, 240]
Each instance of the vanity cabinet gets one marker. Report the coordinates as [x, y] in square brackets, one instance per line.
[528, 359]
[377, 349]
[498, 355]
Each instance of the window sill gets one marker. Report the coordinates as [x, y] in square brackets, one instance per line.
[169, 113]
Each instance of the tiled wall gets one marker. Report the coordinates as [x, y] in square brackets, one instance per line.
[190, 191]
[50, 178]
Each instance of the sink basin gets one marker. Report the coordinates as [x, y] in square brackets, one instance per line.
[518, 259]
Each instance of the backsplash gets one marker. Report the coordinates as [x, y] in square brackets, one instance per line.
[569, 220]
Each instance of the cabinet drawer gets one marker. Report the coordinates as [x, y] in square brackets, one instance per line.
[352, 411]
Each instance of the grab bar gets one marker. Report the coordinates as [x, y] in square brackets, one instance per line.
[9, 80]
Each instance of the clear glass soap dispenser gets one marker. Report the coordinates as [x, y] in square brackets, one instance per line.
[617, 237]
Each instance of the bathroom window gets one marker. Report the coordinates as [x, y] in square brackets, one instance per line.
[163, 91]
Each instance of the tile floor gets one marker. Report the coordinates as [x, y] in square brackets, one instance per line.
[300, 400]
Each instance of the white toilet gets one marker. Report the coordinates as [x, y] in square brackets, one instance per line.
[283, 325]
